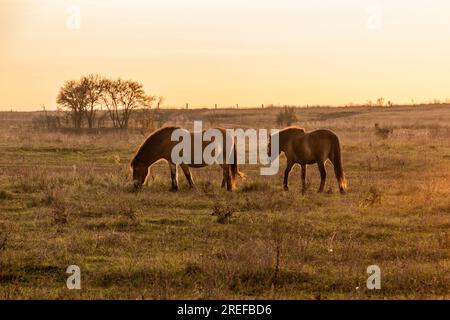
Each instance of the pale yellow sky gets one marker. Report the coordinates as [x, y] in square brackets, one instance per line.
[229, 51]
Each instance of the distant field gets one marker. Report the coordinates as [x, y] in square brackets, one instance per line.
[65, 199]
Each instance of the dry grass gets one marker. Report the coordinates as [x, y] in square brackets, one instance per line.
[65, 199]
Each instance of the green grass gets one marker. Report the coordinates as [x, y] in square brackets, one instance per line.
[65, 199]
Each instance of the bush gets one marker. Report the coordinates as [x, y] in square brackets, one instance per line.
[286, 117]
[383, 133]
[223, 213]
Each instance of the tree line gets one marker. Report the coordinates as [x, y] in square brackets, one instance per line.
[83, 98]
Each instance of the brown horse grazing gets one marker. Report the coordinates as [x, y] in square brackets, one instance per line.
[159, 146]
[308, 148]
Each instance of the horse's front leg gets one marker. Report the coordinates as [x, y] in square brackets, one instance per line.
[303, 178]
[286, 175]
[174, 176]
[323, 175]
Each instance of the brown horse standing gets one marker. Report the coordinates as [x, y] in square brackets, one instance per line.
[159, 146]
[308, 148]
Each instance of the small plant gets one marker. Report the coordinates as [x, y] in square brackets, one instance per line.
[383, 132]
[373, 197]
[277, 232]
[256, 186]
[207, 187]
[129, 213]
[5, 195]
[55, 199]
[223, 213]
[3, 239]
[60, 215]
[192, 269]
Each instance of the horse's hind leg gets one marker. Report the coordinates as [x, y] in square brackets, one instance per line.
[174, 176]
[323, 175]
[187, 174]
[226, 180]
[225, 176]
[303, 178]
[286, 175]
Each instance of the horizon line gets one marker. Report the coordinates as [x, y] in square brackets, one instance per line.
[262, 106]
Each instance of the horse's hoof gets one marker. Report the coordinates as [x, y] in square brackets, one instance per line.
[286, 188]
[174, 189]
[342, 191]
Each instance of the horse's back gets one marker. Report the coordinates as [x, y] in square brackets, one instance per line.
[323, 133]
[315, 145]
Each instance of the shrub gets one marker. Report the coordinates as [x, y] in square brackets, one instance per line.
[383, 132]
[223, 213]
[372, 198]
[286, 117]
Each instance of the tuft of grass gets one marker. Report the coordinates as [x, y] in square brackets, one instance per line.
[129, 213]
[223, 213]
[255, 186]
[372, 198]
[383, 132]
[192, 269]
[55, 198]
[3, 239]
[5, 195]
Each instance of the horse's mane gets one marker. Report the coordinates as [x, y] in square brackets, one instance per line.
[289, 133]
[147, 141]
[292, 128]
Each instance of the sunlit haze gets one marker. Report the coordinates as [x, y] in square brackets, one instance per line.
[229, 52]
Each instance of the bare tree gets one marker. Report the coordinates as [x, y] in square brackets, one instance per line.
[111, 99]
[133, 96]
[73, 98]
[94, 86]
[380, 102]
[81, 99]
[121, 98]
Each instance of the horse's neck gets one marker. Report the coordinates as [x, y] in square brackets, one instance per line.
[151, 157]
[282, 139]
[285, 137]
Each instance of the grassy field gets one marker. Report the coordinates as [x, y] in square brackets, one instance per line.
[65, 199]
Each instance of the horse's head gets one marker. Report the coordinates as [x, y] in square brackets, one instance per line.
[140, 171]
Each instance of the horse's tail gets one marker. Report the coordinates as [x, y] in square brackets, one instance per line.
[235, 169]
[336, 159]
